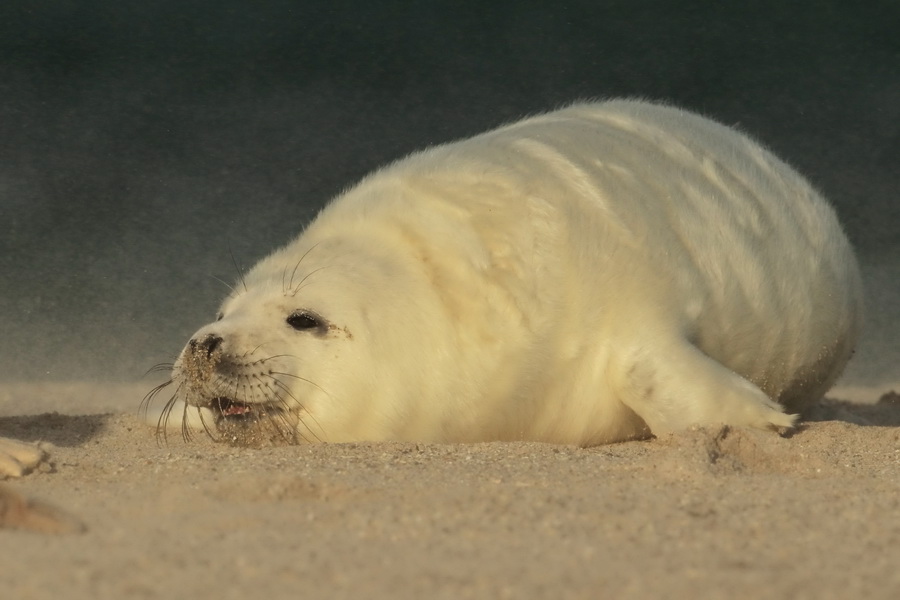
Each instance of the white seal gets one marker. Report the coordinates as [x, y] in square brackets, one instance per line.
[594, 274]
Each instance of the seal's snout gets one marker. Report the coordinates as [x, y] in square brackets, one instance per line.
[206, 346]
[200, 358]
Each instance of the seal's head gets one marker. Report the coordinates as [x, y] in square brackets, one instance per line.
[293, 343]
[357, 330]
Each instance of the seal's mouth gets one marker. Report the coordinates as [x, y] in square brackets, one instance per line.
[234, 411]
[226, 407]
[251, 423]
[229, 411]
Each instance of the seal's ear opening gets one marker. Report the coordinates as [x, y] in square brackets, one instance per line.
[303, 320]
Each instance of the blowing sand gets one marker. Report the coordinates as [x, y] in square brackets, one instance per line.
[711, 513]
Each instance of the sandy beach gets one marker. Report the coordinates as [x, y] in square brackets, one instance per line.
[713, 513]
[152, 152]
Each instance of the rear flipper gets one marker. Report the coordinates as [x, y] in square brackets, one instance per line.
[672, 387]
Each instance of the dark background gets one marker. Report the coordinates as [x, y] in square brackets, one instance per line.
[144, 143]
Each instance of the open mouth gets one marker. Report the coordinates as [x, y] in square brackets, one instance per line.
[229, 411]
[254, 424]
[226, 407]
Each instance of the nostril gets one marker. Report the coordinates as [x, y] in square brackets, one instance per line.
[209, 344]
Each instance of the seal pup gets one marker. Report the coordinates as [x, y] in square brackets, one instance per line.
[600, 273]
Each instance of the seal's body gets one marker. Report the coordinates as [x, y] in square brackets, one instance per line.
[595, 274]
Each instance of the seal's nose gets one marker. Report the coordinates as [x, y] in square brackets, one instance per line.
[208, 344]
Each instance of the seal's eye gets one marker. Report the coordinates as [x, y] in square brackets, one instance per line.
[219, 316]
[301, 320]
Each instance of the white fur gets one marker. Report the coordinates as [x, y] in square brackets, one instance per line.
[577, 277]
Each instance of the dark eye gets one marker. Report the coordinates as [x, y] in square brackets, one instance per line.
[219, 316]
[302, 320]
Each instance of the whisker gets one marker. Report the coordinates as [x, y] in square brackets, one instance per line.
[277, 420]
[206, 427]
[159, 368]
[253, 351]
[305, 277]
[225, 283]
[150, 396]
[285, 428]
[274, 356]
[297, 266]
[283, 386]
[187, 434]
[162, 424]
[305, 380]
[240, 271]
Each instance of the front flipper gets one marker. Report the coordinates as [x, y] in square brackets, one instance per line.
[673, 386]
